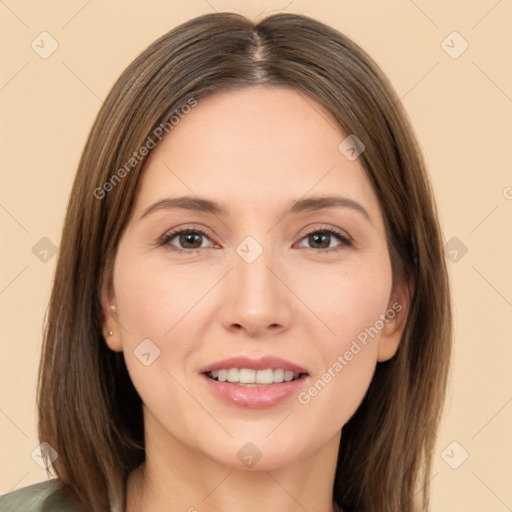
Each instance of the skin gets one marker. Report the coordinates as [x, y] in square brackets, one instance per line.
[253, 150]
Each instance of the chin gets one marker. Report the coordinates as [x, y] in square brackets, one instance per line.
[257, 452]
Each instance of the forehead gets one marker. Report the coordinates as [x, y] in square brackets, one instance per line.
[254, 146]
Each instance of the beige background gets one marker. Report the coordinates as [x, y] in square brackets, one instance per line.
[461, 109]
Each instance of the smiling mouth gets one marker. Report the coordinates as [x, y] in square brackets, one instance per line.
[253, 378]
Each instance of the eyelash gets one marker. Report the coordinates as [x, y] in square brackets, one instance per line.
[344, 240]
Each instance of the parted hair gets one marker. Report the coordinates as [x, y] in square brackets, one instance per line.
[88, 408]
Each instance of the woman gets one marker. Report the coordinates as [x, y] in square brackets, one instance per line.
[251, 306]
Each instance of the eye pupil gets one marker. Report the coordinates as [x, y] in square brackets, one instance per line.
[317, 239]
[190, 238]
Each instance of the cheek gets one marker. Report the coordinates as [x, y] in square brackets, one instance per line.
[350, 306]
[157, 307]
[153, 299]
[157, 339]
[348, 302]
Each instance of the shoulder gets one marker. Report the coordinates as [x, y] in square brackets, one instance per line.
[41, 497]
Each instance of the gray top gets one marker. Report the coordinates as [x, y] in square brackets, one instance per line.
[41, 497]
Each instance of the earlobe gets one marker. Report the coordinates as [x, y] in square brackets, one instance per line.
[111, 332]
[109, 321]
[394, 323]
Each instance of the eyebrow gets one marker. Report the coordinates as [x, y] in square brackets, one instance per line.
[301, 205]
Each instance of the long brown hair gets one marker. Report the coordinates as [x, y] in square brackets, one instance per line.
[89, 411]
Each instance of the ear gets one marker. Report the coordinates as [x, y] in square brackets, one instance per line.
[395, 320]
[109, 316]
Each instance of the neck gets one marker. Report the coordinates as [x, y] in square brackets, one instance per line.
[177, 478]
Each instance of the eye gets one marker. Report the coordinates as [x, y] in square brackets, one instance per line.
[321, 239]
[190, 239]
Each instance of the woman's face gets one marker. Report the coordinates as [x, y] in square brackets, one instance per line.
[270, 276]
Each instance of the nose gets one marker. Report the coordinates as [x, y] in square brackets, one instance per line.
[257, 298]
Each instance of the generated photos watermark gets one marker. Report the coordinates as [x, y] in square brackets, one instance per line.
[304, 397]
[161, 130]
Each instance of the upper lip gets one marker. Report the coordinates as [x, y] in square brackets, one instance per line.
[262, 363]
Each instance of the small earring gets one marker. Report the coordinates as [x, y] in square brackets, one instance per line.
[113, 307]
[110, 333]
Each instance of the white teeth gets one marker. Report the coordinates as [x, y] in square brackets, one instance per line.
[246, 376]
[279, 375]
[265, 376]
[249, 377]
[233, 375]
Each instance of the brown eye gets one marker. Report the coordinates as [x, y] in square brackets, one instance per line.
[187, 239]
[322, 239]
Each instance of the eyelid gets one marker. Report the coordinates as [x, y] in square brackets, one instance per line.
[325, 227]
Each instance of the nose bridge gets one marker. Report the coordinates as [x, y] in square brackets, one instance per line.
[251, 268]
[256, 297]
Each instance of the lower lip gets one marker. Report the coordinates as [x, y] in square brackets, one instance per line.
[255, 397]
